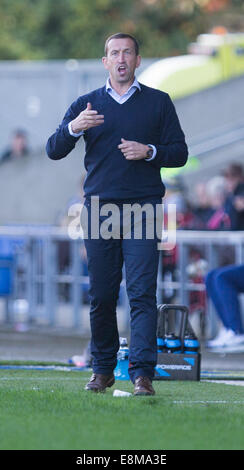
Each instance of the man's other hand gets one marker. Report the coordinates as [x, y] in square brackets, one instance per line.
[133, 150]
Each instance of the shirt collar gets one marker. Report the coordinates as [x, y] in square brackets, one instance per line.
[135, 84]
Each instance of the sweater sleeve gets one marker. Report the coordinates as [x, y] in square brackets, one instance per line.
[172, 150]
[60, 144]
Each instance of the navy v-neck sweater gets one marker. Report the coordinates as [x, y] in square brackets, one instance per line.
[148, 117]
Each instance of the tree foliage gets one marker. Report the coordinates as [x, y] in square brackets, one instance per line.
[60, 29]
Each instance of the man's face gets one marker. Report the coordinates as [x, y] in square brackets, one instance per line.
[121, 60]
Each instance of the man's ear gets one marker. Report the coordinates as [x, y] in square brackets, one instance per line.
[138, 61]
[104, 61]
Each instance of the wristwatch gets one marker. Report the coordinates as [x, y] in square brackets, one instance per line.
[149, 153]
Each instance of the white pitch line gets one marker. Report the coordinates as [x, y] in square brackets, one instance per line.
[45, 378]
[227, 382]
[208, 402]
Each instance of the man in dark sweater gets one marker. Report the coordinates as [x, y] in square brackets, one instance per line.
[130, 132]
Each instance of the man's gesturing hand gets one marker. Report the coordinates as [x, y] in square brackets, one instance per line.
[86, 119]
[133, 150]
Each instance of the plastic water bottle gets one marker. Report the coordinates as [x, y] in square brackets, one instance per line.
[121, 370]
[123, 353]
[161, 345]
[191, 344]
[172, 343]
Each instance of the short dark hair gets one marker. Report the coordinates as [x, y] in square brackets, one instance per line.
[121, 36]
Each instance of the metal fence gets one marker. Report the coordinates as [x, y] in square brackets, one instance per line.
[44, 281]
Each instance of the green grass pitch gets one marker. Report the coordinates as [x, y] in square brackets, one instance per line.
[51, 410]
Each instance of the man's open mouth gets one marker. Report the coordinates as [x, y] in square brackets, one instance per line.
[122, 69]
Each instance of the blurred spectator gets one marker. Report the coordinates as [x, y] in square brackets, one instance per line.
[219, 220]
[209, 212]
[196, 271]
[223, 287]
[64, 247]
[62, 217]
[234, 202]
[176, 194]
[18, 146]
[202, 210]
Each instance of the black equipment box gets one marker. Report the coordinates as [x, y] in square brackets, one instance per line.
[171, 366]
[180, 365]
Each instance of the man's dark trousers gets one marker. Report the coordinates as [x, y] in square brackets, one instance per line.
[105, 261]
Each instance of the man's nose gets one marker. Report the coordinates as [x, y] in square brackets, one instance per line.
[121, 56]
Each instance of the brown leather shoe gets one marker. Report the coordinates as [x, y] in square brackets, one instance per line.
[99, 382]
[143, 386]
